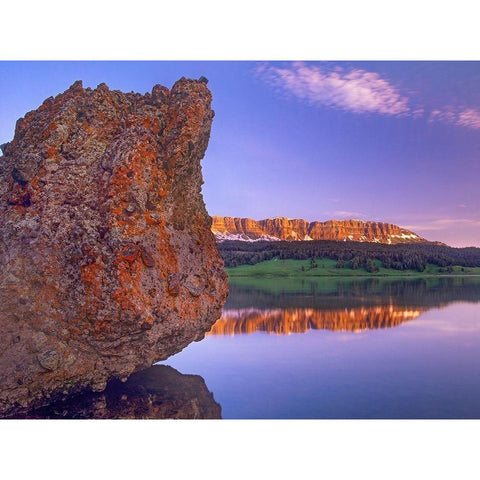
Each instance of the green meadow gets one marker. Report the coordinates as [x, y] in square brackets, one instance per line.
[326, 267]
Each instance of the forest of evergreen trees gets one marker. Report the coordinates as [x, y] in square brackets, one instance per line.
[413, 256]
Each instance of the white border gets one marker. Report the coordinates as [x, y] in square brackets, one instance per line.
[248, 30]
[240, 449]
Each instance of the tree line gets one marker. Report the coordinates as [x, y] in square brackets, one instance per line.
[412, 256]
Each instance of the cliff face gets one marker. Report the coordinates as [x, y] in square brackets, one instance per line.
[107, 261]
[281, 228]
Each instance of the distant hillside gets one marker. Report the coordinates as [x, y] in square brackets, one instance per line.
[281, 228]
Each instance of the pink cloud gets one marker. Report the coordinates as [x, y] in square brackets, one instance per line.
[445, 223]
[358, 91]
[348, 214]
[354, 90]
[469, 118]
[461, 116]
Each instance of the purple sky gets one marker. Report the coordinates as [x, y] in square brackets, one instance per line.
[389, 141]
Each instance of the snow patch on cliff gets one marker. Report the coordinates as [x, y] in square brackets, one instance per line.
[224, 236]
[406, 236]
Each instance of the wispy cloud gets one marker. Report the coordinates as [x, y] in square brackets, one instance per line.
[460, 116]
[348, 214]
[358, 91]
[444, 223]
[354, 90]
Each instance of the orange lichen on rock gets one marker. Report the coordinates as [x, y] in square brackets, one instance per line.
[107, 239]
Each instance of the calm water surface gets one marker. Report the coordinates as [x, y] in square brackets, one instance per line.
[339, 348]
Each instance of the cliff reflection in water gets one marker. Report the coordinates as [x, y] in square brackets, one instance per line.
[284, 306]
[159, 392]
[300, 320]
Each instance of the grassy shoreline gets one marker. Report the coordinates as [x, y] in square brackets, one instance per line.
[327, 268]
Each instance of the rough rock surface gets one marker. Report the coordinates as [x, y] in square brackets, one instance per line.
[281, 228]
[158, 392]
[107, 261]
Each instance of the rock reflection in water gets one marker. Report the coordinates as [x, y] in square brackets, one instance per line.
[417, 356]
[159, 392]
[300, 320]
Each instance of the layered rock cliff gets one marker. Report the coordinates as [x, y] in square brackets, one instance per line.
[107, 261]
[281, 228]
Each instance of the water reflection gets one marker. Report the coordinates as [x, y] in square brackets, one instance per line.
[156, 393]
[301, 320]
[324, 292]
[285, 306]
[426, 366]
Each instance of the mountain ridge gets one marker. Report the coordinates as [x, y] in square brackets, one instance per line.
[283, 228]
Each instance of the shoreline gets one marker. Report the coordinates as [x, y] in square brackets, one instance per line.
[376, 275]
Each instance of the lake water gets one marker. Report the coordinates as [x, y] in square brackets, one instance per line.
[343, 348]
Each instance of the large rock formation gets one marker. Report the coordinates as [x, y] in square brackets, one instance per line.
[281, 228]
[107, 261]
